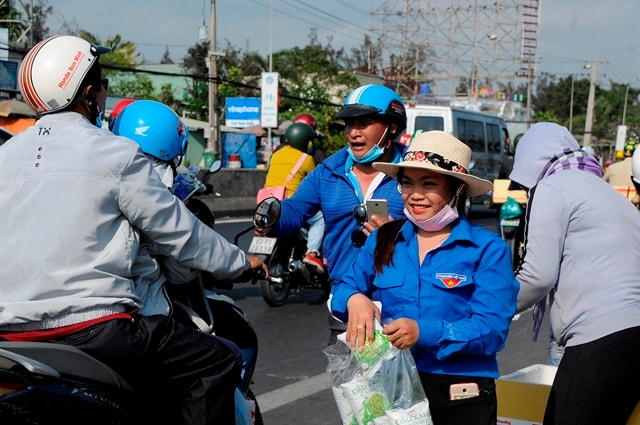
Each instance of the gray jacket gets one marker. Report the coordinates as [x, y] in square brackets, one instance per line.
[582, 237]
[74, 199]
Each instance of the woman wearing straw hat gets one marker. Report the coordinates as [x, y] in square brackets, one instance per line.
[445, 286]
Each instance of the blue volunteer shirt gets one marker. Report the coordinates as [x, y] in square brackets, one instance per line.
[463, 296]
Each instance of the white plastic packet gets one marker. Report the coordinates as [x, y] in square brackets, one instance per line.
[381, 385]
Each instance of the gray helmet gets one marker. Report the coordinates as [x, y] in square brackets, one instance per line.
[299, 136]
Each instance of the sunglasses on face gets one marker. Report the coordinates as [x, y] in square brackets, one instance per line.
[105, 83]
[358, 238]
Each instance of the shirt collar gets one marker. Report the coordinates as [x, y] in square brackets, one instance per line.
[461, 231]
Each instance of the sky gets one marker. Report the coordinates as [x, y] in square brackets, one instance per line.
[572, 33]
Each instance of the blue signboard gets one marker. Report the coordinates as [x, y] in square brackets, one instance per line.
[8, 76]
[242, 111]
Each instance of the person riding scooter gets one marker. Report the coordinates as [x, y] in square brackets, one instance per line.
[374, 116]
[161, 282]
[78, 231]
[285, 170]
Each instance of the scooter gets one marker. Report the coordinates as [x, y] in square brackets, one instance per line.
[196, 205]
[45, 383]
[287, 272]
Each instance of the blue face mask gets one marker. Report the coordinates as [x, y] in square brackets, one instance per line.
[99, 115]
[374, 153]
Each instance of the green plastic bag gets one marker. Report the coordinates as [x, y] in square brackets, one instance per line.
[510, 209]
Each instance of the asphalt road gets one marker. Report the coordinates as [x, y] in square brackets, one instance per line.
[290, 380]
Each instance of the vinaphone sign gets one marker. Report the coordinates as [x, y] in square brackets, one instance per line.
[242, 111]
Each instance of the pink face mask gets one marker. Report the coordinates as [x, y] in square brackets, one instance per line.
[438, 222]
[445, 216]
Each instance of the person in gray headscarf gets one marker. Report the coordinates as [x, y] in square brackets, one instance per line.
[581, 242]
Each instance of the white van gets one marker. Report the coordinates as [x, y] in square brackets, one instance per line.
[485, 134]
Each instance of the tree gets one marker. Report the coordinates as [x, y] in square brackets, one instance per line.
[28, 26]
[13, 20]
[38, 18]
[166, 57]
[195, 62]
[552, 101]
[366, 58]
[133, 85]
[309, 79]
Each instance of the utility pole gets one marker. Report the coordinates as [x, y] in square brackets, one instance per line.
[571, 105]
[214, 139]
[586, 141]
[529, 77]
[624, 110]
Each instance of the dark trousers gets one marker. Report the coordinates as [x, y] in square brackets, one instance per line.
[192, 375]
[597, 382]
[481, 410]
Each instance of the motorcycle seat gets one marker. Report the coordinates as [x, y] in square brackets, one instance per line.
[69, 361]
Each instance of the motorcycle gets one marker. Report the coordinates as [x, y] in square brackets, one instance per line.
[200, 188]
[44, 383]
[287, 272]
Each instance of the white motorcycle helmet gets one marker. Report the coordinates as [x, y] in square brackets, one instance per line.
[53, 70]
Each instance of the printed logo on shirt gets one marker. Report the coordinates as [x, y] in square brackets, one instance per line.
[450, 280]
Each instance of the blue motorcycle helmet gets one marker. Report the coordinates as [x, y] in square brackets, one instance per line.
[378, 100]
[155, 127]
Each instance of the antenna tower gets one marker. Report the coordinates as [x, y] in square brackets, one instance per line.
[456, 46]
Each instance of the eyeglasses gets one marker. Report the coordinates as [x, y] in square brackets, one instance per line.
[105, 83]
[358, 238]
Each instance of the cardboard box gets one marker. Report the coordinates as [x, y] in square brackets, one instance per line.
[523, 394]
[501, 192]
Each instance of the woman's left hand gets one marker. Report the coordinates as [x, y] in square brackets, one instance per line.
[402, 333]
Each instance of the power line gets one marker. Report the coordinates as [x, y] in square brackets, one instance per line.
[314, 24]
[216, 80]
[326, 14]
[352, 7]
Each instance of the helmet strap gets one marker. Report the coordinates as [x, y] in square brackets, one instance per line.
[383, 138]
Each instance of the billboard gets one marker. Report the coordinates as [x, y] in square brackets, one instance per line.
[242, 111]
[8, 75]
[269, 96]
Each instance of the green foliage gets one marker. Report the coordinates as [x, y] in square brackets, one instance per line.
[552, 102]
[314, 76]
[9, 13]
[138, 86]
[166, 97]
[545, 116]
[197, 100]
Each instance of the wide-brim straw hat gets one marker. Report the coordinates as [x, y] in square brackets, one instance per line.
[442, 153]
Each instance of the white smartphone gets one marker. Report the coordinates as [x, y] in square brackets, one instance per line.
[379, 207]
[464, 390]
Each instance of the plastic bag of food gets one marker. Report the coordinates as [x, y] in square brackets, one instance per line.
[379, 385]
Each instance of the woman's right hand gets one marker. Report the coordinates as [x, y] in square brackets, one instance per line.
[360, 325]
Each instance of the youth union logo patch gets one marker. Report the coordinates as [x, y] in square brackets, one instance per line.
[450, 279]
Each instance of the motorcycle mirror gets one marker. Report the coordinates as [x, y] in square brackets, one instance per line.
[267, 213]
[215, 166]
